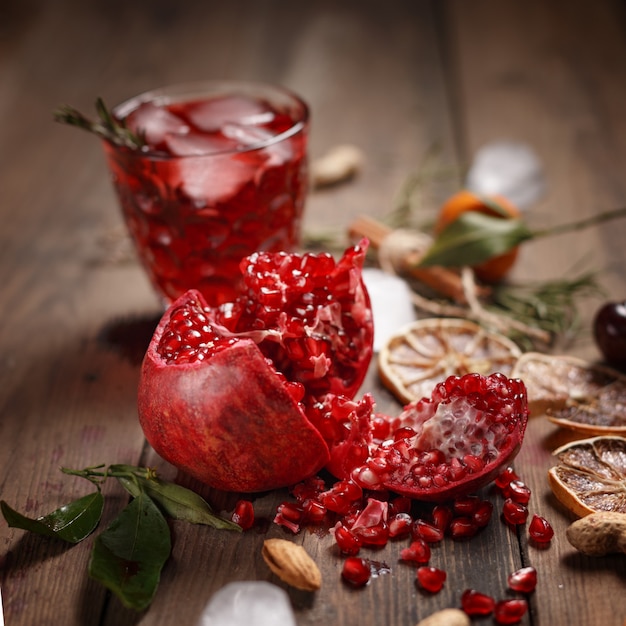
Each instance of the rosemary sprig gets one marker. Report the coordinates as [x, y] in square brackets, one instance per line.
[106, 126]
[552, 305]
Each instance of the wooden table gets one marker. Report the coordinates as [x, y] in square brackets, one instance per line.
[398, 79]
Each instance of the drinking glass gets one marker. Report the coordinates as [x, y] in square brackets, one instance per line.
[222, 173]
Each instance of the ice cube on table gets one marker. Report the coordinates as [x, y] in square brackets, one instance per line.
[211, 115]
[509, 169]
[392, 306]
[248, 603]
[155, 122]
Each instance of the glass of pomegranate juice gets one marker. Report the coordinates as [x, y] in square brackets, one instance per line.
[222, 173]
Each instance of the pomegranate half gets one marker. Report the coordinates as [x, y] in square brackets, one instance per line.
[223, 392]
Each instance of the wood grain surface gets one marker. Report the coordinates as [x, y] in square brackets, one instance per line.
[402, 80]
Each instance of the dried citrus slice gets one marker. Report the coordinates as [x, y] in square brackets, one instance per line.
[591, 475]
[575, 394]
[426, 352]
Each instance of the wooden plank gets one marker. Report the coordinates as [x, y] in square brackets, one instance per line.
[77, 309]
[551, 75]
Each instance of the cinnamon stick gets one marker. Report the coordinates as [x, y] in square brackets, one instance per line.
[441, 279]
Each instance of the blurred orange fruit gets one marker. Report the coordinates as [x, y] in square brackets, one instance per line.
[590, 475]
[496, 268]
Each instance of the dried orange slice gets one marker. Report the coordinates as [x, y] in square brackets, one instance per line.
[426, 352]
[591, 475]
[575, 394]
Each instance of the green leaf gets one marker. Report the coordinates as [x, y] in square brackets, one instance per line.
[177, 501]
[72, 522]
[474, 238]
[129, 555]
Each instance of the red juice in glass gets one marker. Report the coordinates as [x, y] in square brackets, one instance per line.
[222, 174]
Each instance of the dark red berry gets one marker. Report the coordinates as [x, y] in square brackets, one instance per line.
[609, 329]
[523, 580]
[540, 529]
[508, 612]
[356, 571]
[475, 603]
[431, 578]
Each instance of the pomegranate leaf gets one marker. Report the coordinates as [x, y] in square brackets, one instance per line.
[474, 238]
[72, 522]
[176, 501]
[129, 555]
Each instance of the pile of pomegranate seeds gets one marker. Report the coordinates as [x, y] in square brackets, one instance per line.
[359, 521]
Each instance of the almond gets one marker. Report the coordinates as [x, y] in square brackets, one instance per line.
[292, 564]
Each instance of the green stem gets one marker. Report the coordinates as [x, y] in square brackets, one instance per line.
[113, 471]
[581, 224]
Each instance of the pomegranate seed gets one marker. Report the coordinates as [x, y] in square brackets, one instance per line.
[462, 528]
[473, 463]
[309, 489]
[400, 526]
[514, 512]
[505, 477]
[341, 496]
[243, 514]
[509, 611]
[482, 515]
[289, 515]
[418, 551]
[465, 506]
[540, 529]
[518, 492]
[313, 512]
[356, 571]
[423, 530]
[380, 428]
[523, 580]
[476, 603]
[348, 543]
[376, 536]
[400, 505]
[441, 516]
[431, 578]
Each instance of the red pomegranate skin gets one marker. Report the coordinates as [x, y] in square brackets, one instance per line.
[232, 427]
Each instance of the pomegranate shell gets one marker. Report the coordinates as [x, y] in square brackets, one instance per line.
[228, 421]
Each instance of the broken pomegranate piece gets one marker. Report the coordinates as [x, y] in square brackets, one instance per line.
[223, 391]
[452, 443]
